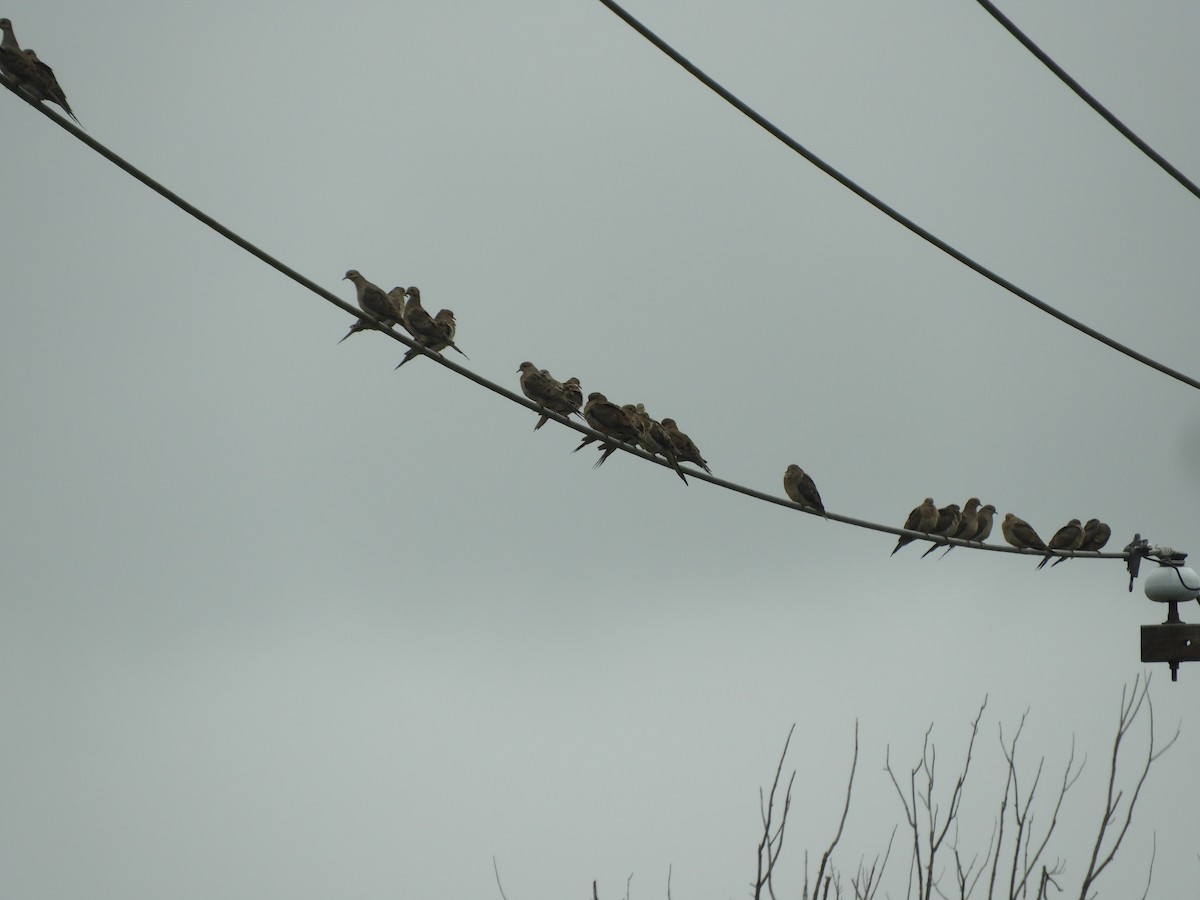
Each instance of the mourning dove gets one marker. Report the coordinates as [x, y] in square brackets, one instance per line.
[608, 419]
[923, 518]
[947, 521]
[445, 321]
[1020, 533]
[15, 64]
[983, 525]
[1069, 537]
[539, 387]
[685, 448]
[800, 489]
[572, 397]
[967, 522]
[566, 398]
[422, 326]
[983, 528]
[651, 437]
[374, 302]
[1095, 536]
[46, 85]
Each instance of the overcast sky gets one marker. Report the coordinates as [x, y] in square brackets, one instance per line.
[279, 621]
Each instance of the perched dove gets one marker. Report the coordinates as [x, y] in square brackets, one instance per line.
[948, 518]
[967, 522]
[374, 302]
[541, 388]
[1095, 536]
[1020, 533]
[1069, 537]
[983, 525]
[983, 530]
[45, 85]
[685, 448]
[923, 518]
[800, 489]
[607, 418]
[15, 64]
[651, 438]
[566, 399]
[572, 397]
[445, 321]
[422, 326]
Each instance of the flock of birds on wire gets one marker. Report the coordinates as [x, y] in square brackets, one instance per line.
[628, 424]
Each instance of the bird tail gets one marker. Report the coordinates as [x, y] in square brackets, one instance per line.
[932, 547]
[541, 421]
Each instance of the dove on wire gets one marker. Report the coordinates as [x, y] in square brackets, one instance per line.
[374, 302]
[1020, 533]
[983, 527]
[445, 321]
[32, 75]
[424, 329]
[46, 85]
[800, 489]
[538, 385]
[564, 398]
[1069, 537]
[651, 438]
[685, 448]
[608, 419]
[923, 518]
[15, 64]
[1095, 536]
[967, 522]
[947, 524]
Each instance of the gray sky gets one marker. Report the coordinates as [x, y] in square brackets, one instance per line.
[279, 621]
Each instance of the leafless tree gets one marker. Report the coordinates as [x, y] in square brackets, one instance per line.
[1014, 865]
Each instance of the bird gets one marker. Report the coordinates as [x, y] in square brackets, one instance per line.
[1069, 537]
[608, 419]
[967, 522]
[1020, 533]
[565, 398]
[539, 387]
[1095, 536]
[923, 518]
[651, 438]
[800, 489]
[947, 522]
[374, 302]
[983, 527]
[572, 397]
[46, 85]
[15, 64]
[422, 326]
[685, 448]
[445, 321]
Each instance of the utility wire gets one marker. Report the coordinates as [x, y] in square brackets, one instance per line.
[884, 208]
[480, 380]
[1088, 98]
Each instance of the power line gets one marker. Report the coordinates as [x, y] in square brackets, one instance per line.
[480, 380]
[1088, 98]
[884, 208]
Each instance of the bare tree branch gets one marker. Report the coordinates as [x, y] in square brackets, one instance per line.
[1131, 705]
[771, 844]
[496, 869]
